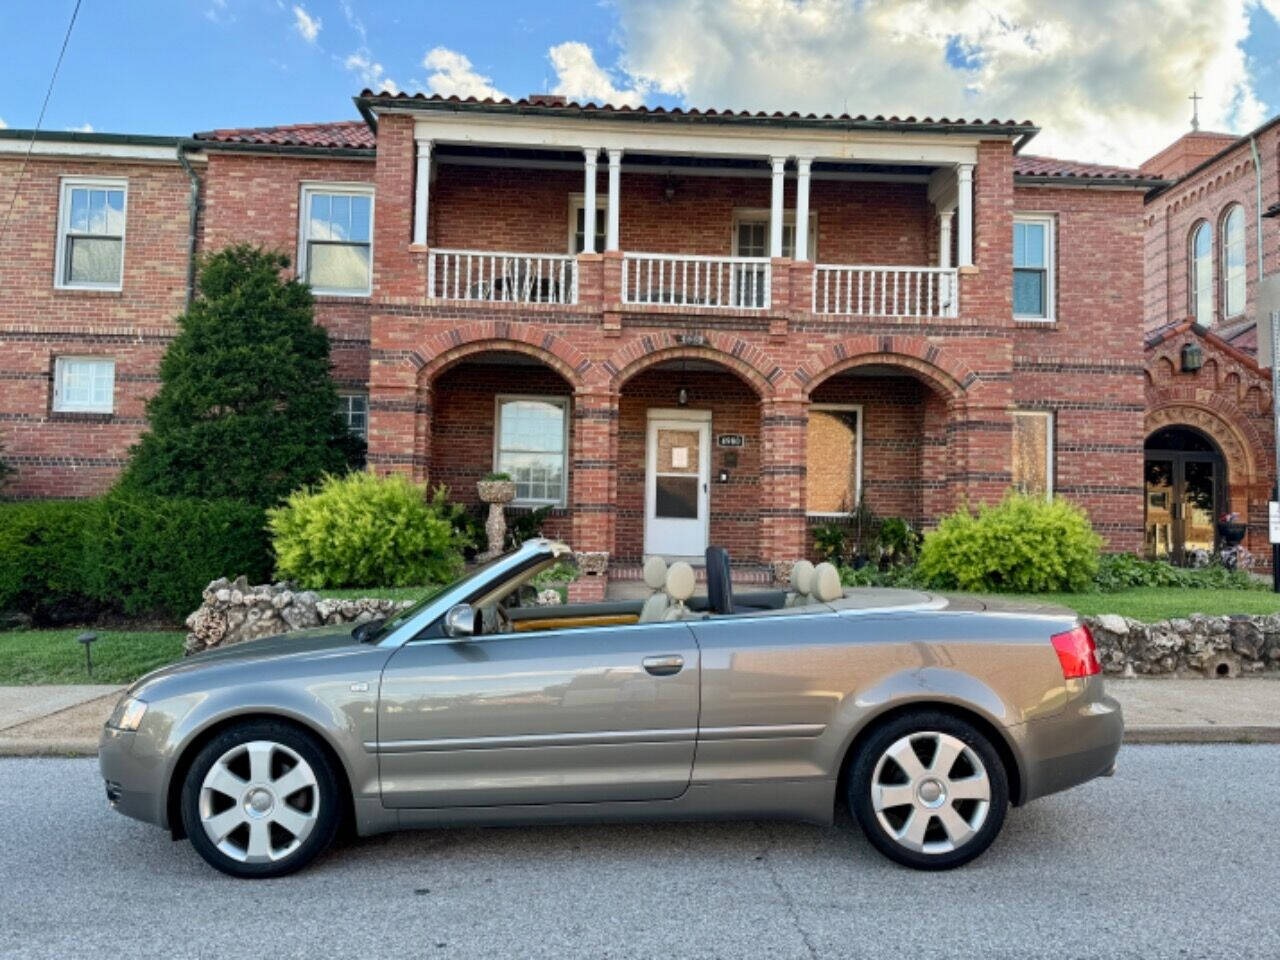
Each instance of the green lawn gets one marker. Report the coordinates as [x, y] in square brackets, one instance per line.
[384, 593]
[1161, 603]
[53, 656]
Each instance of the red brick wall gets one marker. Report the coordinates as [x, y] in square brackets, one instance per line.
[72, 455]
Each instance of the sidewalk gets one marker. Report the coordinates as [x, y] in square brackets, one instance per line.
[66, 721]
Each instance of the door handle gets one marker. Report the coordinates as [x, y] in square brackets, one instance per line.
[664, 666]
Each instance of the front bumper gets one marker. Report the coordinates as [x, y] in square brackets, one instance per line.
[134, 786]
[1074, 746]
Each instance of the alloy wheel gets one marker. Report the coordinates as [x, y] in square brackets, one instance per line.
[259, 802]
[930, 792]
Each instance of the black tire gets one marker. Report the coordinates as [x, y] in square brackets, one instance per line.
[325, 808]
[928, 727]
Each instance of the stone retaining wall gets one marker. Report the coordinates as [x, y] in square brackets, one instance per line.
[1195, 645]
[233, 611]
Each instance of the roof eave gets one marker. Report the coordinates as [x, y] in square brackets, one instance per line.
[281, 149]
[1094, 182]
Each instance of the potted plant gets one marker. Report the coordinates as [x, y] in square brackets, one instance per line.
[1231, 530]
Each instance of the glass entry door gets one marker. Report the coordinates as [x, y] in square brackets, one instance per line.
[1184, 491]
[676, 484]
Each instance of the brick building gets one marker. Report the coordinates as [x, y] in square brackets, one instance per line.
[764, 319]
[1209, 435]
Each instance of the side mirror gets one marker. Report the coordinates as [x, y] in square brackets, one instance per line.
[460, 621]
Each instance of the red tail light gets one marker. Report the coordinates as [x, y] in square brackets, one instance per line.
[1076, 652]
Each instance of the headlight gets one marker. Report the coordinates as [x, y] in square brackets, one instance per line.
[127, 714]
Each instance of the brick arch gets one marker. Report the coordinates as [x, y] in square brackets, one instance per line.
[926, 360]
[1228, 427]
[749, 362]
[453, 346]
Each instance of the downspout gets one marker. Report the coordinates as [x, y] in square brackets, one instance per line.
[1257, 177]
[193, 208]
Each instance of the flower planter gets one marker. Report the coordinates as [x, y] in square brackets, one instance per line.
[1231, 532]
[495, 493]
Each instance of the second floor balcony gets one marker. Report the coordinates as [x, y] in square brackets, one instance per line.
[694, 233]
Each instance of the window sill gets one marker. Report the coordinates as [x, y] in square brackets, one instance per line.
[1036, 321]
[82, 416]
[88, 291]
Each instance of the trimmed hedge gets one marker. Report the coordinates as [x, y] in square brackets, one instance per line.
[137, 554]
[1021, 545]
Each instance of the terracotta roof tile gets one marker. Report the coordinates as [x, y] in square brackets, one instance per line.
[542, 103]
[1026, 165]
[351, 134]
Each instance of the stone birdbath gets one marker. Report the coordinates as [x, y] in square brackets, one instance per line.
[496, 490]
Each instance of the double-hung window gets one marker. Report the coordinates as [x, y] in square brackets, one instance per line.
[84, 384]
[91, 221]
[578, 223]
[335, 249]
[1033, 452]
[751, 239]
[833, 471]
[354, 410]
[530, 444]
[1033, 259]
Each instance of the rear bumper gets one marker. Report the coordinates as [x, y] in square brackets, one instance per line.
[1074, 746]
[133, 785]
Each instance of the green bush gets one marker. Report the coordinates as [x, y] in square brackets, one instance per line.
[365, 530]
[42, 569]
[65, 561]
[1021, 545]
[1123, 571]
[149, 555]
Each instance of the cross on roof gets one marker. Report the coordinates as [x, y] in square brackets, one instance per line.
[1195, 99]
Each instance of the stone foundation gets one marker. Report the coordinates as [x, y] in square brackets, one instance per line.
[1197, 645]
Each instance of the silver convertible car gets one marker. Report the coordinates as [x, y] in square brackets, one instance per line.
[928, 717]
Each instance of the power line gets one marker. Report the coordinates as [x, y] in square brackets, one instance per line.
[22, 170]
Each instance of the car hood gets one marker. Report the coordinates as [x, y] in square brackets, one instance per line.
[297, 645]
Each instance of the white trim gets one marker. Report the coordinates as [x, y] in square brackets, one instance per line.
[1050, 223]
[66, 185]
[73, 149]
[558, 400]
[344, 395]
[762, 173]
[569, 133]
[578, 202]
[60, 405]
[345, 188]
[1051, 419]
[857, 474]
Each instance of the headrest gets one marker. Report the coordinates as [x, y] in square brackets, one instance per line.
[802, 576]
[680, 581]
[655, 573]
[826, 583]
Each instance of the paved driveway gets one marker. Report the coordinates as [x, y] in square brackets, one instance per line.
[1175, 857]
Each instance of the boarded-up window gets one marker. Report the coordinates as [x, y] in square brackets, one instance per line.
[1033, 453]
[834, 454]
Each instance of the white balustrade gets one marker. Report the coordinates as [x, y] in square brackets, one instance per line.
[740, 283]
[868, 291]
[492, 276]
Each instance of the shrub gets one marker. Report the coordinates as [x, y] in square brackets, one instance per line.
[246, 406]
[1023, 544]
[1123, 571]
[149, 555]
[365, 530]
[42, 564]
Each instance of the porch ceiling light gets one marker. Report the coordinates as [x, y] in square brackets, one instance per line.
[682, 397]
[669, 188]
[1192, 357]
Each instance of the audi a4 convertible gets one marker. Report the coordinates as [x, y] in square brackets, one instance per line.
[926, 716]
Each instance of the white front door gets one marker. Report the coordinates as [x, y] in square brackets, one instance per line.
[677, 475]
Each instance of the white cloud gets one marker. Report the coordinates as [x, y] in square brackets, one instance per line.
[3, 125]
[453, 75]
[579, 77]
[1104, 80]
[216, 12]
[370, 72]
[83, 128]
[308, 27]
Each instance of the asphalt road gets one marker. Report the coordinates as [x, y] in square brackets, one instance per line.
[1177, 856]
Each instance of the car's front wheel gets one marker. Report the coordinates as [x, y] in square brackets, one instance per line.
[929, 791]
[260, 800]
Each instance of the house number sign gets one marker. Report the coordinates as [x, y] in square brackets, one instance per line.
[730, 440]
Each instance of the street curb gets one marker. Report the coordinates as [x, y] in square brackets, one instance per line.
[18, 747]
[1201, 733]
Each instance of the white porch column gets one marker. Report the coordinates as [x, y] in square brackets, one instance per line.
[421, 185]
[615, 187]
[589, 200]
[944, 237]
[802, 207]
[775, 208]
[964, 245]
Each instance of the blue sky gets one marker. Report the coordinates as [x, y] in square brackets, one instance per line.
[1106, 81]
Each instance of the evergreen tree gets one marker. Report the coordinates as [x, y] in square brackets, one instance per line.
[246, 406]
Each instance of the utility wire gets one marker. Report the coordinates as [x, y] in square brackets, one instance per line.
[22, 170]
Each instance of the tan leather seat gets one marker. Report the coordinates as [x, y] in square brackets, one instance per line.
[681, 582]
[801, 584]
[826, 583]
[655, 576]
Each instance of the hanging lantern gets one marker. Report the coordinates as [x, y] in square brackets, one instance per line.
[1192, 357]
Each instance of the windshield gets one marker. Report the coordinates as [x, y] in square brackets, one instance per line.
[408, 613]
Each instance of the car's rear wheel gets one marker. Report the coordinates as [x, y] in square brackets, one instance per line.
[929, 790]
[260, 800]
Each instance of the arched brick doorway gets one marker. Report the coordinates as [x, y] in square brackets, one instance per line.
[1185, 493]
